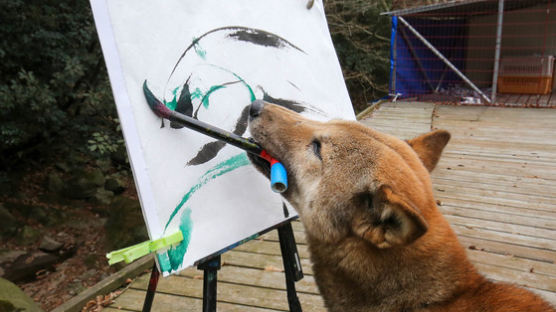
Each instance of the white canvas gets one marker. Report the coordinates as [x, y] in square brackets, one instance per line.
[220, 55]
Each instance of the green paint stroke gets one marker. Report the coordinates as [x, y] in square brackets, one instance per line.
[202, 53]
[251, 93]
[173, 257]
[164, 262]
[197, 94]
[222, 168]
[209, 92]
[174, 102]
[176, 254]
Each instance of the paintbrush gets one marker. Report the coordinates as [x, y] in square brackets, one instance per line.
[278, 175]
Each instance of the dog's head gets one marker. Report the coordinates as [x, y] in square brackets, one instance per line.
[347, 179]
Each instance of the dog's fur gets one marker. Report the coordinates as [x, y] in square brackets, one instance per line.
[377, 239]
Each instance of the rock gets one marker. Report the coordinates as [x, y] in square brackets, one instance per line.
[14, 299]
[39, 214]
[96, 176]
[63, 166]
[54, 183]
[28, 235]
[115, 184]
[104, 164]
[48, 244]
[8, 223]
[19, 208]
[125, 225]
[75, 287]
[6, 184]
[7, 258]
[24, 267]
[120, 156]
[103, 196]
[76, 158]
[84, 184]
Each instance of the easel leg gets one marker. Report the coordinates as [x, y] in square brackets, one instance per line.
[210, 269]
[292, 265]
[151, 289]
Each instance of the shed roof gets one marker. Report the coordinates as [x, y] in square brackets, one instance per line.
[409, 4]
[407, 7]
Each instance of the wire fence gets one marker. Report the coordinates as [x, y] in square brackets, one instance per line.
[460, 53]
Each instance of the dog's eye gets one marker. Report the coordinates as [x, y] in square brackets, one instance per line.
[316, 148]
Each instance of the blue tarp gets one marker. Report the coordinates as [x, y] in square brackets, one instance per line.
[448, 36]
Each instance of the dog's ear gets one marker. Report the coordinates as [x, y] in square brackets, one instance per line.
[429, 146]
[389, 220]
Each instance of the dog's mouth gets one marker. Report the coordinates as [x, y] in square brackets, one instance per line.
[261, 164]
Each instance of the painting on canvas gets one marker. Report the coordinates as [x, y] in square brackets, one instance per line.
[209, 60]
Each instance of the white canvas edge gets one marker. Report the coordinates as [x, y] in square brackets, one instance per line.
[133, 146]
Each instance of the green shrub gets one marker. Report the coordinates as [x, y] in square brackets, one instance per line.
[54, 91]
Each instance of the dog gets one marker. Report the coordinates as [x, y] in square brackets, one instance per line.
[376, 237]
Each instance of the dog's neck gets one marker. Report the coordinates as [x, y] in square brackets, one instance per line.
[393, 279]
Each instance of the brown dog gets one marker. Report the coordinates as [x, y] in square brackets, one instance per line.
[377, 240]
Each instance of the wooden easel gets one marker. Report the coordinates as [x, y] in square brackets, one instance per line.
[210, 267]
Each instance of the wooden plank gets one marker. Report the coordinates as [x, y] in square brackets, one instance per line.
[525, 279]
[549, 216]
[492, 167]
[500, 217]
[260, 261]
[462, 173]
[269, 277]
[300, 237]
[491, 197]
[530, 191]
[511, 262]
[245, 295]
[270, 248]
[107, 285]
[132, 300]
[493, 243]
[533, 237]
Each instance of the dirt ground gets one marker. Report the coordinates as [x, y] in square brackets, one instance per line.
[76, 224]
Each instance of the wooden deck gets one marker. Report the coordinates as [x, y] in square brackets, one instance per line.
[496, 186]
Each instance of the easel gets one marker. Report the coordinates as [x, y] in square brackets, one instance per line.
[210, 267]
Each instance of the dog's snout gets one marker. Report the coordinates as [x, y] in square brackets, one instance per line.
[256, 108]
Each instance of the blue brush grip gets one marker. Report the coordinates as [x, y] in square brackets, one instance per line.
[278, 178]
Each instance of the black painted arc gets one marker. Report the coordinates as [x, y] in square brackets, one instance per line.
[210, 150]
[289, 104]
[232, 28]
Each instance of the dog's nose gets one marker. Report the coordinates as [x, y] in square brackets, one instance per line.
[256, 108]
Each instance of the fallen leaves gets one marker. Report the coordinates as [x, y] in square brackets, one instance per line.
[270, 268]
[97, 304]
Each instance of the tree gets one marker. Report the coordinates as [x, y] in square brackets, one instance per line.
[54, 91]
[362, 39]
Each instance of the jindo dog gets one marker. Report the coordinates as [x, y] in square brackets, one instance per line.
[377, 239]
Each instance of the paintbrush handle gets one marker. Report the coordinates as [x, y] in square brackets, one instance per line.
[278, 175]
[215, 132]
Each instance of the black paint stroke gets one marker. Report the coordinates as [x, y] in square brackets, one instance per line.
[258, 37]
[286, 212]
[206, 153]
[290, 104]
[293, 85]
[184, 104]
[210, 150]
[257, 33]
